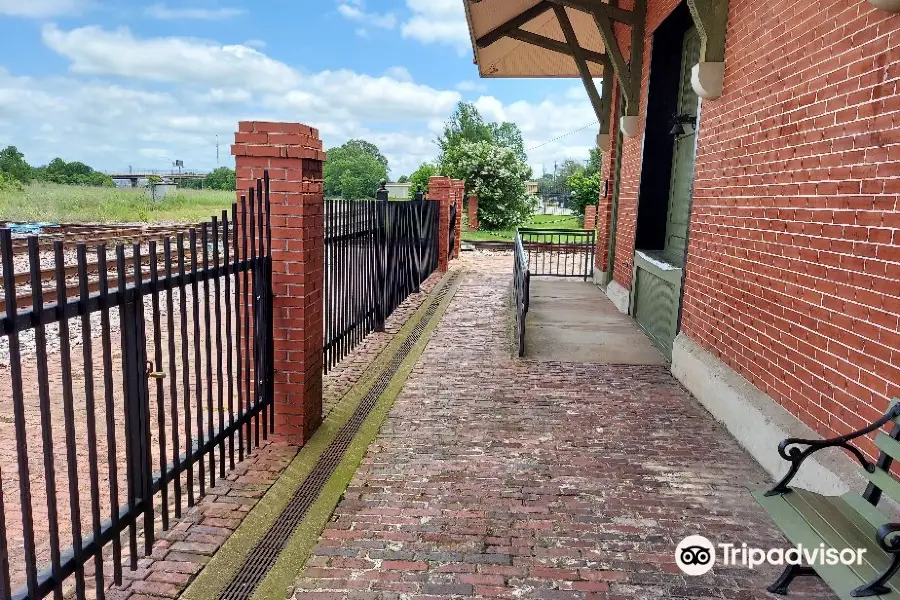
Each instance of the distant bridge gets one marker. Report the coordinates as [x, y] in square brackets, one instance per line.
[136, 175]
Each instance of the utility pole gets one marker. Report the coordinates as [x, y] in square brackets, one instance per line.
[217, 150]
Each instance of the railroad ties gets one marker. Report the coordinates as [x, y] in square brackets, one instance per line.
[92, 236]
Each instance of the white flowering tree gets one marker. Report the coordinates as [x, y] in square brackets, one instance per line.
[497, 176]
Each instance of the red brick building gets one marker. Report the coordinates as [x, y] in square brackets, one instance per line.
[752, 221]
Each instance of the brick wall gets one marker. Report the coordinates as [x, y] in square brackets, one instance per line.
[794, 277]
[292, 153]
[793, 272]
[590, 216]
[441, 189]
[473, 213]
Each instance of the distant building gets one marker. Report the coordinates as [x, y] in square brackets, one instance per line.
[158, 191]
[532, 188]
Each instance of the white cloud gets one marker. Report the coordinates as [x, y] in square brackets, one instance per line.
[173, 96]
[438, 22]
[399, 73]
[471, 86]
[97, 51]
[354, 10]
[39, 9]
[164, 12]
[353, 96]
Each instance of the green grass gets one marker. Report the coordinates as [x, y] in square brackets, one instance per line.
[539, 221]
[75, 204]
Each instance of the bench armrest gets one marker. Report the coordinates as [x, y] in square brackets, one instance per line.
[792, 450]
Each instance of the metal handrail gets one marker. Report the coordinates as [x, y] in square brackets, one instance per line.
[558, 252]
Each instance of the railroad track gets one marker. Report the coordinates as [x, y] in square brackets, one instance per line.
[93, 268]
[72, 235]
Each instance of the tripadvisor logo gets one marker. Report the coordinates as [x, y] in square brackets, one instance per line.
[696, 555]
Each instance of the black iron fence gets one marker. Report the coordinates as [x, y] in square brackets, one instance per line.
[376, 254]
[559, 252]
[172, 385]
[521, 287]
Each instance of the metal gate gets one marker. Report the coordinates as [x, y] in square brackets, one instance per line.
[183, 382]
[453, 213]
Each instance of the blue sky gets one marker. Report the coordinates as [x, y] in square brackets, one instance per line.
[118, 83]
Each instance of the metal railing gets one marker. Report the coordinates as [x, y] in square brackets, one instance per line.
[559, 252]
[521, 286]
[97, 459]
[376, 254]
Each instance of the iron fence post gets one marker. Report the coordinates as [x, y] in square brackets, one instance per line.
[381, 197]
[137, 409]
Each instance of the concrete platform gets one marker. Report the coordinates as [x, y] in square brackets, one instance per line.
[574, 321]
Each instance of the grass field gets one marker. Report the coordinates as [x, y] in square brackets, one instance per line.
[543, 221]
[75, 204]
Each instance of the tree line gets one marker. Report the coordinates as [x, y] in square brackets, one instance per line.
[490, 157]
[15, 171]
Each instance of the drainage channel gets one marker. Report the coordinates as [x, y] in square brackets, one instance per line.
[264, 556]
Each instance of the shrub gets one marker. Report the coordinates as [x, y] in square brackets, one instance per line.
[498, 177]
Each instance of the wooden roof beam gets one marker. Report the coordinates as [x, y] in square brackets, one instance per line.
[601, 104]
[596, 7]
[536, 39]
[513, 24]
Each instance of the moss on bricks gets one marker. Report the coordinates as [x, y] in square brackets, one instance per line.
[220, 571]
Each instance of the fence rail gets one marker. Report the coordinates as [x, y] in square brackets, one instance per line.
[376, 254]
[180, 379]
[559, 252]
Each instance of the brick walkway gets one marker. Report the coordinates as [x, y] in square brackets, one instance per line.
[507, 479]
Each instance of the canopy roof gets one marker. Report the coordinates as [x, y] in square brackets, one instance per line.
[516, 38]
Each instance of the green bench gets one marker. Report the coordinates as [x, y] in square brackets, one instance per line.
[841, 522]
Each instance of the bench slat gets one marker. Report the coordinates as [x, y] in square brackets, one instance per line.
[842, 529]
[888, 484]
[888, 445]
[865, 509]
[810, 519]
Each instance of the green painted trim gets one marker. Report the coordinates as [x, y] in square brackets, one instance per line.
[219, 572]
[670, 276]
[293, 558]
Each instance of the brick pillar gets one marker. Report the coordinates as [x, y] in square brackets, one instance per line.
[459, 187]
[439, 188]
[473, 213]
[590, 217]
[293, 155]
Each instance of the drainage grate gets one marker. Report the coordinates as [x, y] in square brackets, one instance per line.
[263, 557]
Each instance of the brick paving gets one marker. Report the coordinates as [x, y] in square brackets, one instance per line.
[500, 478]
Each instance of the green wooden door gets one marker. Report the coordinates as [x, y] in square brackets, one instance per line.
[656, 288]
[682, 183]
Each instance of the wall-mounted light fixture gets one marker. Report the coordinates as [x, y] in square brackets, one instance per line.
[683, 125]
